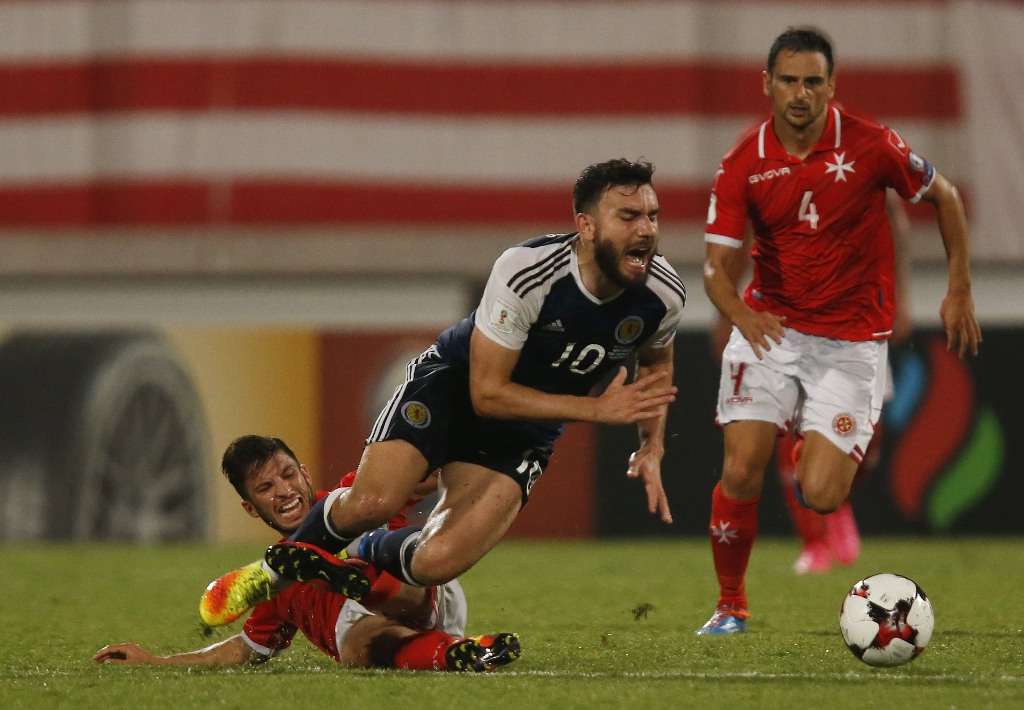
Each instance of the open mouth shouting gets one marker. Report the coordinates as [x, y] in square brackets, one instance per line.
[638, 259]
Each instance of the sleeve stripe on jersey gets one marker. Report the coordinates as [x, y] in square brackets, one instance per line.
[723, 240]
[924, 188]
[542, 278]
[549, 239]
[671, 284]
[258, 648]
[523, 275]
[669, 276]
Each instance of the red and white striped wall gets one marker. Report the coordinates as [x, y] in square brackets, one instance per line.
[185, 117]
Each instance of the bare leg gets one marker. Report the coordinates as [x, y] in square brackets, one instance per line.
[476, 509]
[825, 473]
[388, 475]
[372, 641]
[748, 449]
[410, 605]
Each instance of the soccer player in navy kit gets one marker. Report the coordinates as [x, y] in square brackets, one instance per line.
[560, 316]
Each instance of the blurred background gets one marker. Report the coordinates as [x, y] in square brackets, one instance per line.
[221, 217]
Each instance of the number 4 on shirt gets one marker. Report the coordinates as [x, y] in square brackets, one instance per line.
[808, 211]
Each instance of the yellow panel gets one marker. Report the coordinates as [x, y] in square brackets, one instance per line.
[252, 381]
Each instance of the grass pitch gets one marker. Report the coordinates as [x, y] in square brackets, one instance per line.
[604, 625]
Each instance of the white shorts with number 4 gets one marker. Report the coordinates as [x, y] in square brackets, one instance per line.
[807, 383]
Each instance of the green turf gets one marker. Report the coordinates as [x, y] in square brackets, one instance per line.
[572, 603]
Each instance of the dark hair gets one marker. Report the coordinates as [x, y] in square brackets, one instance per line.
[801, 39]
[246, 454]
[596, 178]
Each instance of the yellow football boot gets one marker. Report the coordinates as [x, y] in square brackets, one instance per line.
[233, 594]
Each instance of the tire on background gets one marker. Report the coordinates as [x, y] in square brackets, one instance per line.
[102, 437]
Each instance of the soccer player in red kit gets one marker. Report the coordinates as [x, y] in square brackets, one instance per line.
[807, 351]
[393, 625]
[835, 537]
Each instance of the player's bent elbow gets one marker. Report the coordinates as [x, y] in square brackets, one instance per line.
[485, 401]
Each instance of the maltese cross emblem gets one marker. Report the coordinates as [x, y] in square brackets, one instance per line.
[840, 167]
[723, 532]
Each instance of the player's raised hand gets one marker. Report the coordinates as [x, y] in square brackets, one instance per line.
[760, 328]
[645, 464]
[623, 403]
[963, 333]
[125, 654]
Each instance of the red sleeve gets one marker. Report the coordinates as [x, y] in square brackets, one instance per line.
[903, 169]
[727, 212]
[347, 480]
[266, 632]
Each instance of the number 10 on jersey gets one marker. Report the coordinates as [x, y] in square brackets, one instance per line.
[594, 352]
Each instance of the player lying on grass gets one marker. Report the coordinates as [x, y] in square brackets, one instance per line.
[409, 627]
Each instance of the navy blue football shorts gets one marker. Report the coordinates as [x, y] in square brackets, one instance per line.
[432, 410]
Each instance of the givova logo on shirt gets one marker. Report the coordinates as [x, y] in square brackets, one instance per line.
[767, 175]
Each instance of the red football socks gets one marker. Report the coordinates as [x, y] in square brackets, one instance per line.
[424, 651]
[733, 531]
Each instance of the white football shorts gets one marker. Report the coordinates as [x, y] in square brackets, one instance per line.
[807, 383]
[450, 613]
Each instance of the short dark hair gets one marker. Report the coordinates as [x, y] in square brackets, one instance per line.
[248, 453]
[596, 178]
[801, 39]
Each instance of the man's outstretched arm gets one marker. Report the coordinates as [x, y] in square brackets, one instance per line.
[645, 462]
[232, 651]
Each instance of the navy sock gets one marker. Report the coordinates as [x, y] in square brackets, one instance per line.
[391, 551]
[316, 529]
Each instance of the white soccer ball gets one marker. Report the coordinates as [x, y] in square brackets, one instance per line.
[886, 620]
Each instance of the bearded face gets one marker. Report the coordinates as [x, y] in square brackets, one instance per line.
[621, 234]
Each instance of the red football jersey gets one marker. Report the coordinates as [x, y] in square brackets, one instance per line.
[823, 252]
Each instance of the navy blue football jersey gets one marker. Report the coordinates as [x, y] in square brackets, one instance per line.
[569, 340]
